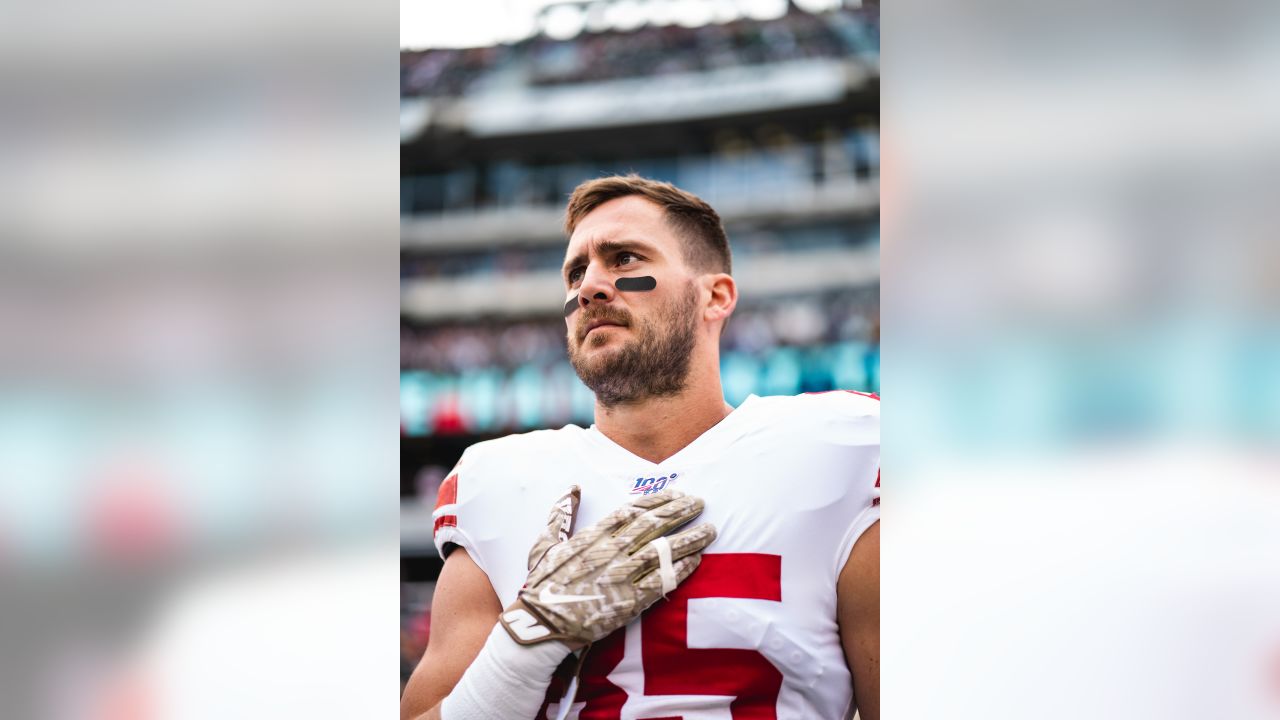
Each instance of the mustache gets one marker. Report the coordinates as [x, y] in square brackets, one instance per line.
[609, 315]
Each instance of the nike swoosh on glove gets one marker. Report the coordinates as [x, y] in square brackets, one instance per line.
[581, 589]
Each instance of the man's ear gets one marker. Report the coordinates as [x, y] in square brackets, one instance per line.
[723, 297]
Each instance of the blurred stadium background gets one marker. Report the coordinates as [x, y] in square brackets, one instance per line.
[768, 110]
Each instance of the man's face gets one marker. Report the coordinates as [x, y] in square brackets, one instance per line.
[629, 346]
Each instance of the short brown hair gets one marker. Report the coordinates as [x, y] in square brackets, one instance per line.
[691, 217]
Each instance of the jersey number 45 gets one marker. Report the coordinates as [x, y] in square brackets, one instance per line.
[670, 666]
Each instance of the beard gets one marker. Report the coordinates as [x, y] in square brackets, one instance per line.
[653, 363]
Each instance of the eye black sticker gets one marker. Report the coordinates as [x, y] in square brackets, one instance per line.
[627, 284]
[636, 284]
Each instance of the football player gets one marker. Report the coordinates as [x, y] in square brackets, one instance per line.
[619, 604]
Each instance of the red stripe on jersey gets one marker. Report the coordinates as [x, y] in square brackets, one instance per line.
[445, 521]
[876, 501]
[448, 493]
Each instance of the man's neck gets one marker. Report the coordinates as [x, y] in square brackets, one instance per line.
[655, 429]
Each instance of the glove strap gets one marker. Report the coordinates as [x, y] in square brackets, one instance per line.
[666, 570]
[525, 626]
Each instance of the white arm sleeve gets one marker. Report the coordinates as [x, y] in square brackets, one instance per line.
[506, 681]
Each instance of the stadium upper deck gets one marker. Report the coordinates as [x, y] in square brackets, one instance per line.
[649, 51]
[466, 102]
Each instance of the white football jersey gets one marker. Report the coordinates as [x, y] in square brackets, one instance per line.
[790, 483]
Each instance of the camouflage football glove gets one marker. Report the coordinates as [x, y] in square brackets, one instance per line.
[582, 588]
[560, 522]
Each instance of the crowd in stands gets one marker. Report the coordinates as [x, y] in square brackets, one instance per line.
[455, 348]
[447, 72]
[657, 51]
[645, 52]
[506, 261]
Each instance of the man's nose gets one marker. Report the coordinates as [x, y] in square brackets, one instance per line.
[597, 286]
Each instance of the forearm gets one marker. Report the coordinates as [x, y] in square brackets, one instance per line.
[506, 681]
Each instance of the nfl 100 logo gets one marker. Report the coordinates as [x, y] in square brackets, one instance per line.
[648, 486]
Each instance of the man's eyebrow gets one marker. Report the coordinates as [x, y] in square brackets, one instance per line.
[573, 262]
[606, 247]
